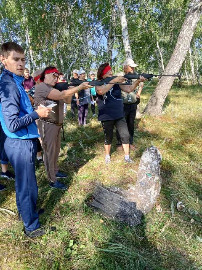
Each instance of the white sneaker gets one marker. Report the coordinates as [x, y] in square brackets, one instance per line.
[128, 160]
[107, 160]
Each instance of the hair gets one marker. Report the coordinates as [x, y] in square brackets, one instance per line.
[37, 73]
[43, 73]
[100, 70]
[8, 47]
[26, 69]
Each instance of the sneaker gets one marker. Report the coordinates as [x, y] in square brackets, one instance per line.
[35, 233]
[58, 185]
[128, 160]
[107, 160]
[8, 175]
[2, 187]
[61, 175]
[38, 232]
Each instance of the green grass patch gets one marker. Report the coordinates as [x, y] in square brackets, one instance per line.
[84, 239]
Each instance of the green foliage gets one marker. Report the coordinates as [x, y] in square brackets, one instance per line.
[71, 34]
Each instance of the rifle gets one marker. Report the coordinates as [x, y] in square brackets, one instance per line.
[131, 76]
[62, 86]
[128, 77]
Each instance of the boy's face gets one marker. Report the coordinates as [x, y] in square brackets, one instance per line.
[75, 75]
[26, 74]
[92, 76]
[14, 62]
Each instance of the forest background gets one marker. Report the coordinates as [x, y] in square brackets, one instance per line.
[74, 34]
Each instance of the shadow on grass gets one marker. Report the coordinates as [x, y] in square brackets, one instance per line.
[10, 188]
[128, 248]
[81, 147]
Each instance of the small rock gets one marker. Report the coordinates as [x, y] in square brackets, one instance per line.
[158, 208]
[180, 206]
[199, 239]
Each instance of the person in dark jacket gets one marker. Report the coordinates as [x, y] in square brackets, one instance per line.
[83, 98]
[110, 107]
[130, 102]
[75, 74]
[18, 123]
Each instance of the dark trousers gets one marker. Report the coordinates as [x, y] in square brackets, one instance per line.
[3, 156]
[93, 105]
[39, 148]
[82, 114]
[22, 154]
[73, 106]
[121, 126]
[130, 113]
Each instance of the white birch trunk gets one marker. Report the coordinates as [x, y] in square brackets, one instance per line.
[186, 72]
[161, 56]
[110, 39]
[155, 104]
[124, 26]
[192, 67]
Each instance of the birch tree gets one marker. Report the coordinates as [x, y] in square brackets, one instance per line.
[155, 104]
[124, 27]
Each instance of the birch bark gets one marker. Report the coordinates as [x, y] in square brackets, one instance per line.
[155, 104]
[124, 26]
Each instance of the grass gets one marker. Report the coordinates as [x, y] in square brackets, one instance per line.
[166, 239]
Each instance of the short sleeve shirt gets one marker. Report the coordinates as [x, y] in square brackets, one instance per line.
[110, 105]
[42, 91]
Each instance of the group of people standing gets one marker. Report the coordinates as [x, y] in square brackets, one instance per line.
[45, 105]
[85, 97]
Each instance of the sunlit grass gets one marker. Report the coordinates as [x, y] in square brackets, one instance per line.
[167, 238]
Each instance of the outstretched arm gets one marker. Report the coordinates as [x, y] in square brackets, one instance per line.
[66, 95]
[101, 90]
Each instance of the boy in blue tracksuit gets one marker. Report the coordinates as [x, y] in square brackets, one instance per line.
[18, 122]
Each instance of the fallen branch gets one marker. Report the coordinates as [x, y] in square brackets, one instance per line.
[7, 211]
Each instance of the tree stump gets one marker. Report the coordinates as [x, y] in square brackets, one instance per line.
[110, 203]
[128, 206]
[148, 185]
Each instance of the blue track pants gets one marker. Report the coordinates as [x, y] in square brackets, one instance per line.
[22, 154]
